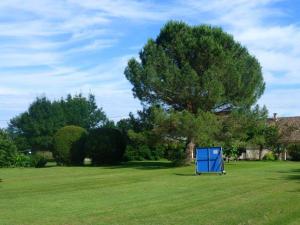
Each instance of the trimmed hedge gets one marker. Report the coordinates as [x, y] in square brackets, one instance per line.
[69, 144]
[105, 146]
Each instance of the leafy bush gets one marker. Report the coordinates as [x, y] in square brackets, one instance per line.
[178, 157]
[176, 153]
[8, 150]
[22, 160]
[38, 161]
[269, 156]
[294, 152]
[69, 145]
[143, 152]
[131, 154]
[138, 153]
[105, 145]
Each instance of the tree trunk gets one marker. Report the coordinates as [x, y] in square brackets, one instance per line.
[260, 152]
[189, 151]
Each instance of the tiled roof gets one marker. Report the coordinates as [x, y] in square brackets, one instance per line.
[290, 127]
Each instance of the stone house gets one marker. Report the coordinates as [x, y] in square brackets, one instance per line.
[289, 126]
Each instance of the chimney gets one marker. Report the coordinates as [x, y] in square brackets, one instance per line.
[275, 116]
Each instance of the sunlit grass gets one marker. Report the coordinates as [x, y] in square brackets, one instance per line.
[151, 193]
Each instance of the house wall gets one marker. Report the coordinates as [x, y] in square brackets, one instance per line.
[253, 154]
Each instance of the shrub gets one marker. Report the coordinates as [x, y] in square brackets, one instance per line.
[130, 154]
[175, 152]
[143, 152]
[294, 152]
[38, 161]
[8, 150]
[269, 156]
[177, 156]
[138, 153]
[22, 160]
[69, 145]
[105, 145]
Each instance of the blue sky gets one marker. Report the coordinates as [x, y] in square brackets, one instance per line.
[56, 47]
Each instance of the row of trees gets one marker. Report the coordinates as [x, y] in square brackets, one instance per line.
[198, 86]
[35, 128]
[151, 134]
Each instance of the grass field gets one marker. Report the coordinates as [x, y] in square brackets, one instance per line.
[151, 193]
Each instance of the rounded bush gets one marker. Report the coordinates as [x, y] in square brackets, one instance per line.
[269, 156]
[69, 145]
[105, 146]
[8, 150]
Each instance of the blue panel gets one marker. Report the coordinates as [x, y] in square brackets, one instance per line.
[209, 160]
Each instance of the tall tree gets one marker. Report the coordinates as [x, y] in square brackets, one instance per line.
[244, 127]
[83, 112]
[36, 127]
[195, 68]
[258, 128]
[8, 150]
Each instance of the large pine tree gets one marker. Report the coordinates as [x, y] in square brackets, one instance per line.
[195, 69]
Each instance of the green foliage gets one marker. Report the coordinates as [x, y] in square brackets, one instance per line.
[234, 152]
[143, 152]
[183, 128]
[10, 157]
[22, 160]
[105, 145]
[244, 127]
[195, 68]
[35, 128]
[269, 156]
[38, 161]
[192, 72]
[294, 151]
[83, 112]
[177, 155]
[184, 125]
[143, 142]
[69, 144]
[8, 150]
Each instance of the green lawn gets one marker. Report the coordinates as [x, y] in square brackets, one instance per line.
[151, 193]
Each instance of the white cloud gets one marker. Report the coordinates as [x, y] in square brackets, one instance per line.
[38, 33]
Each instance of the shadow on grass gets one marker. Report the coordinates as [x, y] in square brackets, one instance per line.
[185, 174]
[293, 174]
[143, 165]
[293, 177]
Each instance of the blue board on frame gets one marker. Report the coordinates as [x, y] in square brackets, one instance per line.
[209, 160]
